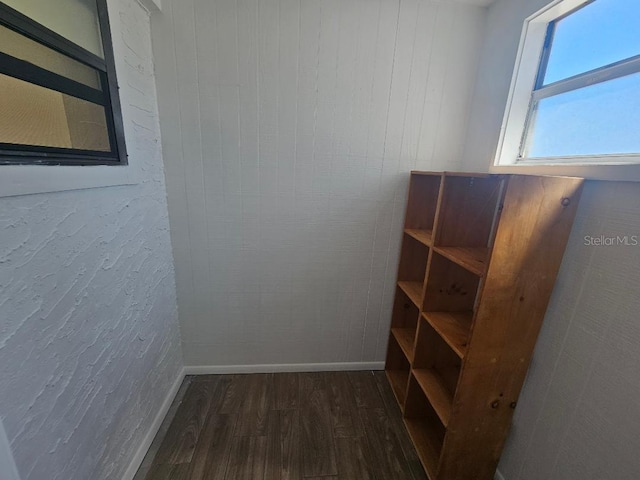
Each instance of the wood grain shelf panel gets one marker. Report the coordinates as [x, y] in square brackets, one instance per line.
[456, 227]
[398, 380]
[413, 290]
[425, 173]
[424, 236]
[468, 174]
[453, 327]
[433, 387]
[473, 259]
[405, 338]
[427, 443]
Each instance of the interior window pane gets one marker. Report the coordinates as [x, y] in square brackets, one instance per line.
[600, 119]
[76, 20]
[601, 33]
[19, 46]
[34, 115]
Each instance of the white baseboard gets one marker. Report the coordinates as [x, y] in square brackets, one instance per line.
[498, 476]
[153, 429]
[290, 367]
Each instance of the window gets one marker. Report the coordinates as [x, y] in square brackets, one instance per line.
[58, 93]
[575, 94]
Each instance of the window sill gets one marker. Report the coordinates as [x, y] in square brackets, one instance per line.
[629, 173]
[31, 179]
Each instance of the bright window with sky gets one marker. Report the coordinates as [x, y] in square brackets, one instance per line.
[575, 95]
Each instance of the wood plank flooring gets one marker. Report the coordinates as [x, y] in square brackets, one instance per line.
[287, 426]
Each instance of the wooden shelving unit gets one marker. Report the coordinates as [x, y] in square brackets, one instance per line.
[413, 290]
[473, 259]
[424, 427]
[423, 236]
[398, 370]
[480, 255]
[453, 327]
[405, 338]
[436, 392]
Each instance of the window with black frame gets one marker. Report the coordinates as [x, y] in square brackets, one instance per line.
[59, 100]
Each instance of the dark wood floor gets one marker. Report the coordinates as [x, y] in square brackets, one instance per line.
[288, 426]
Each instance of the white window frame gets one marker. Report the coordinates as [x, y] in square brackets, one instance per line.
[512, 133]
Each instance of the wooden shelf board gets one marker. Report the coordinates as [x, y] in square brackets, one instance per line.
[473, 259]
[413, 291]
[423, 236]
[453, 327]
[427, 445]
[419, 172]
[433, 387]
[468, 174]
[398, 380]
[405, 338]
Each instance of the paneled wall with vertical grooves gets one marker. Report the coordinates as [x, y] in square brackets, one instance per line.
[289, 128]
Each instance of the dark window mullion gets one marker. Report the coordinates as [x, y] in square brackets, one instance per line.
[111, 130]
[20, 150]
[17, 21]
[31, 73]
[546, 54]
[59, 159]
[115, 122]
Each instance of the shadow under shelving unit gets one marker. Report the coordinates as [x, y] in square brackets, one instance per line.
[479, 258]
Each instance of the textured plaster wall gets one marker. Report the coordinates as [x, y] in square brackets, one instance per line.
[290, 128]
[578, 416]
[7, 464]
[89, 339]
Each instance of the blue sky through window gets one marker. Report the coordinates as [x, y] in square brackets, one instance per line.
[601, 119]
[601, 33]
[597, 120]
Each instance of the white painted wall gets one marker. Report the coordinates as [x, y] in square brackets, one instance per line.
[89, 340]
[578, 416]
[289, 129]
[8, 468]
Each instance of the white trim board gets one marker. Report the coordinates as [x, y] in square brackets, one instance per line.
[278, 368]
[137, 459]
